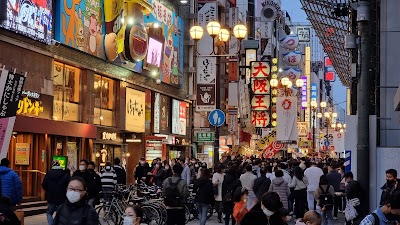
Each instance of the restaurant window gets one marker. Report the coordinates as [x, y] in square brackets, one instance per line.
[104, 100]
[66, 82]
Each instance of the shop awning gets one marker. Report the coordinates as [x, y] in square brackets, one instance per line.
[331, 30]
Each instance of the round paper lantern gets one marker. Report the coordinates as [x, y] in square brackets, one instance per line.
[292, 58]
[290, 42]
[292, 73]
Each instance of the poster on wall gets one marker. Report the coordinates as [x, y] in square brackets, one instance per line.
[164, 114]
[156, 121]
[72, 155]
[135, 110]
[22, 152]
[30, 18]
[178, 117]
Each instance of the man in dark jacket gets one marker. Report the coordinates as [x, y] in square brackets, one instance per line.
[141, 171]
[334, 178]
[93, 185]
[265, 212]
[55, 185]
[392, 184]
[353, 192]
[11, 185]
[119, 171]
[261, 185]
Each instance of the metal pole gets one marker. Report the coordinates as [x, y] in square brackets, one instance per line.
[363, 112]
[313, 137]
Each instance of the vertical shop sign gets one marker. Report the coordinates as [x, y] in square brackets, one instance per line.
[156, 122]
[313, 92]
[206, 70]
[11, 85]
[72, 155]
[135, 110]
[207, 12]
[182, 118]
[286, 108]
[205, 97]
[233, 69]
[164, 114]
[175, 116]
[233, 121]
[304, 93]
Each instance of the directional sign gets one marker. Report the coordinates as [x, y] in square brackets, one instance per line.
[326, 143]
[216, 118]
[205, 137]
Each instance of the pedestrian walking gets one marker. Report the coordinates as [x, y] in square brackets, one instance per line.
[325, 195]
[229, 185]
[119, 171]
[353, 193]
[334, 178]
[240, 209]
[186, 174]
[175, 193]
[204, 190]
[299, 184]
[387, 214]
[55, 185]
[7, 214]
[10, 183]
[313, 174]
[141, 170]
[247, 180]
[108, 182]
[280, 186]
[391, 185]
[265, 212]
[217, 180]
[261, 185]
[75, 210]
[93, 185]
[157, 175]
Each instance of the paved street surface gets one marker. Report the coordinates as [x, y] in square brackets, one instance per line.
[41, 220]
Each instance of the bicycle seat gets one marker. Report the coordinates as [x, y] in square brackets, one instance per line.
[137, 200]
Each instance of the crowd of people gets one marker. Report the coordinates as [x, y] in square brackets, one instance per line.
[242, 190]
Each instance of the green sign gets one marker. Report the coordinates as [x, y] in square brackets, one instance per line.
[205, 137]
[62, 160]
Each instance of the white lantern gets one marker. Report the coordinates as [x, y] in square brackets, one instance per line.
[290, 42]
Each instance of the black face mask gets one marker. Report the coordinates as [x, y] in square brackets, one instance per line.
[390, 182]
[91, 170]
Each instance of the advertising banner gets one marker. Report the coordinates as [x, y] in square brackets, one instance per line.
[156, 121]
[135, 110]
[22, 152]
[233, 69]
[164, 114]
[178, 117]
[31, 18]
[233, 125]
[286, 108]
[205, 97]
[302, 128]
[207, 11]
[206, 70]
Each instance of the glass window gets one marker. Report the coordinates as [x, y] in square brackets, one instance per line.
[104, 98]
[66, 81]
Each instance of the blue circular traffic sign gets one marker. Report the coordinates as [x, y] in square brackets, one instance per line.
[216, 118]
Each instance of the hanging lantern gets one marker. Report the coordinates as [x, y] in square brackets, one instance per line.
[292, 58]
[290, 42]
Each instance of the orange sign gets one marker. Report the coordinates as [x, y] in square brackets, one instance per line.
[233, 70]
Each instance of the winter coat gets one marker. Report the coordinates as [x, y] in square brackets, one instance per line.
[318, 192]
[108, 180]
[158, 178]
[204, 191]
[140, 172]
[55, 184]
[121, 174]
[261, 185]
[11, 185]
[182, 187]
[229, 184]
[93, 184]
[281, 187]
[387, 190]
[257, 217]
[334, 178]
[299, 184]
[79, 213]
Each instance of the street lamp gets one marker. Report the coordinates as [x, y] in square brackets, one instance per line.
[224, 35]
[323, 105]
[196, 32]
[327, 115]
[339, 125]
[285, 81]
[274, 82]
[299, 83]
[319, 115]
[334, 115]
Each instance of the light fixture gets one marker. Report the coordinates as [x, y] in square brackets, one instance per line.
[97, 154]
[240, 31]
[224, 35]
[344, 126]
[274, 92]
[341, 130]
[128, 154]
[156, 25]
[274, 75]
[333, 125]
[280, 70]
[285, 81]
[101, 118]
[184, 1]
[275, 60]
[274, 69]
[319, 115]
[314, 104]
[154, 73]
[304, 104]
[274, 100]
[327, 114]
[273, 82]
[289, 84]
[323, 104]
[299, 83]
[334, 115]
[133, 140]
[339, 125]
[122, 21]
[196, 32]
[274, 123]
[213, 28]
[131, 21]
[274, 115]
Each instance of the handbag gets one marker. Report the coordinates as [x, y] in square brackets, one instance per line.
[350, 212]
[215, 188]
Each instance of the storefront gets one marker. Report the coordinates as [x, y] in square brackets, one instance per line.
[108, 146]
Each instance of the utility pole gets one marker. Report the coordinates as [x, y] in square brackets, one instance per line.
[362, 102]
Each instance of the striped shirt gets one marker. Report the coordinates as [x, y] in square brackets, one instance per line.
[108, 180]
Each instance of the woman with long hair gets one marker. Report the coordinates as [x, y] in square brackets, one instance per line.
[217, 180]
[229, 185]
[299, 183]
[204, 190]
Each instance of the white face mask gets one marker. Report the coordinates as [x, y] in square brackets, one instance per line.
[108, 167]
[157, 166]
[128, 220]
[73, 196]
[266, 211]
[166, 167]
[82, 167]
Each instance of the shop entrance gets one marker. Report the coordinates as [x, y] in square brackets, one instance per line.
[106, 153]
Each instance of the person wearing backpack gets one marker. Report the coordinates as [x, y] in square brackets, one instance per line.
[175, 193]
[325, 194]
[75, 210]
[229, 185]
[388, 214]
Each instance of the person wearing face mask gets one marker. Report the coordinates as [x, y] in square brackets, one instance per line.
[186, 170]
[265, 212]
[108, 181]
[141, 171]
[133, 215]
[353, 192]
[388, 214]
[167, 169]
[93, 185]
[157, 175]
[82, 172]
[240, 209]
[75, 210]
[392, 184]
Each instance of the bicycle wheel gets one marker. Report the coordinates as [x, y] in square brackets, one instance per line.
[107, 216]
[151, 216]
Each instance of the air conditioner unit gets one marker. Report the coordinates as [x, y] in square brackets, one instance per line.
[269, 13]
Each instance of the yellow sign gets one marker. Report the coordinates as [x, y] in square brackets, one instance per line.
[267, 140]
[30, 107]
[135, 110]
[22, 151]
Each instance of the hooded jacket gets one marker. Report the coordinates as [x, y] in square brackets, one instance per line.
[281, 187]
[11, 185]
[229, 184]
[204, 191]
[55, 184]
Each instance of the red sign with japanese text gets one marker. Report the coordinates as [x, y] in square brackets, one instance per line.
[260, 86]
[260, 118]
[260, 69]
[260, 102]
[233, 70]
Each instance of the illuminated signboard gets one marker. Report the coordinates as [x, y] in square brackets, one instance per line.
[304, 93]
[31, 18]
[330, 76]
[314, 92]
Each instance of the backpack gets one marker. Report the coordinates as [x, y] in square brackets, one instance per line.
[375, 222]
[172, 195]
[325, 199]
